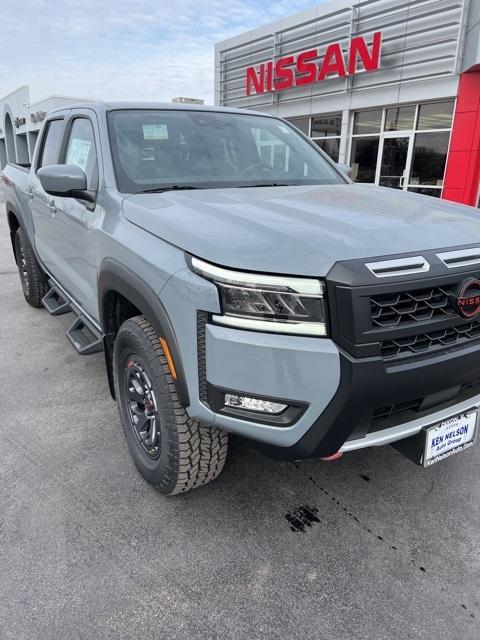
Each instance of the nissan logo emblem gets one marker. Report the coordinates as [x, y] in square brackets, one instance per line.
[466, 301]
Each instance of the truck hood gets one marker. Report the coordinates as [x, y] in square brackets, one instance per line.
[301, 230]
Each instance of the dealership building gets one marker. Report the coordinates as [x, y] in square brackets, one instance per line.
[390, 87]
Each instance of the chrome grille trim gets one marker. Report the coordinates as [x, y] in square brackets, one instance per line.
[398, 267]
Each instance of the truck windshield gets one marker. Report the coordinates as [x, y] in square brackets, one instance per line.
[180, 149]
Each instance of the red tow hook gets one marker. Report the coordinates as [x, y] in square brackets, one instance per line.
[334, 456]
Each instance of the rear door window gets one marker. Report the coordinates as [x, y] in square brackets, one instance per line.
[51, 143]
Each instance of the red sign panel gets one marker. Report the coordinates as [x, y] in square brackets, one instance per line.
[308, 67]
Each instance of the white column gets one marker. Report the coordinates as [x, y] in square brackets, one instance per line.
[344, 137]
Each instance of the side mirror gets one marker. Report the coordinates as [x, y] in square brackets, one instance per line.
[65, 180]
[345, 168]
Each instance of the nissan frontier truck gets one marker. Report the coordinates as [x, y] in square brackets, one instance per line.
[239, 282]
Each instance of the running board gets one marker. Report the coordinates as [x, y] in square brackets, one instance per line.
[84, 337]
[54, 302]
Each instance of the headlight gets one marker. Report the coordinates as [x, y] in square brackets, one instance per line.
[264, 302]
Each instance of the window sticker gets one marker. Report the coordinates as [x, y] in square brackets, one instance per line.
[155, 132]
[78, 152]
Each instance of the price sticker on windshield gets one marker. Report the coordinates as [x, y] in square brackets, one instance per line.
[155, 132]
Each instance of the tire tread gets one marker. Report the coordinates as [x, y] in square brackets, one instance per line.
[197, 452]
[36, 278]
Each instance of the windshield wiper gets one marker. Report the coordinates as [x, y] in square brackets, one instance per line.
[267, 184]
[173, 187]
[189, 187]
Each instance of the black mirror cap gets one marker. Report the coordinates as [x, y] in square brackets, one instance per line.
[63, 180]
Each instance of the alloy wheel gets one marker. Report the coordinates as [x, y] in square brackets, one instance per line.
[142, 407]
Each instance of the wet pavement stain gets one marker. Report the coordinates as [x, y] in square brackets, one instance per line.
[302, 517]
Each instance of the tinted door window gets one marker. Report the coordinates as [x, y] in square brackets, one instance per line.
[52, 143]
[81, 150]
[429, 158]
[394, 162]
[364, 159]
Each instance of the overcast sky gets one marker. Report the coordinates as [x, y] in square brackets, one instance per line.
[123, 49]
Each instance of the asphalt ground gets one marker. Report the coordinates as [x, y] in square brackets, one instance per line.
[369, 547]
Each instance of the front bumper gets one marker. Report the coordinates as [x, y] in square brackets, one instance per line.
[350, 402]
[368, 403]
[409, 429]
[304, 370]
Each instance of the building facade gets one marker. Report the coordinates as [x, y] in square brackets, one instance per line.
[21, 121]
[390, 87]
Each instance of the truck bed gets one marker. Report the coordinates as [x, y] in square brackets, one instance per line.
[13, 181]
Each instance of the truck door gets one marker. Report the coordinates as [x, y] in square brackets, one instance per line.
[42, 203]
[71, 243]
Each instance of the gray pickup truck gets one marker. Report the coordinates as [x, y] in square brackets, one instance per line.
[239, 282]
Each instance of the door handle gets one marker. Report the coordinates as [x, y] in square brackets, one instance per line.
[52, 206]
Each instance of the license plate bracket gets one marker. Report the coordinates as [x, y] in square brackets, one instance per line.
[449, 436]
[415, 447]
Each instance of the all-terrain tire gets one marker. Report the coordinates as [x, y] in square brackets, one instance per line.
[34, 282]
[190, 454]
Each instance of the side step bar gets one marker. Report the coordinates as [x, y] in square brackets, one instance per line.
[84, 337]
[82, 334]
[54, 302]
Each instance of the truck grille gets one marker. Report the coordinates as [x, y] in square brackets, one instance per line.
[419, 321]
[385, 413]
[409, 316]
[389, 416]
[430, 341]
[410, 307]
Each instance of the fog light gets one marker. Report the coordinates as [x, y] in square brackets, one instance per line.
[253, 404]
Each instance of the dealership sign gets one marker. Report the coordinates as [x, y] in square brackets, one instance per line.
[309, 66]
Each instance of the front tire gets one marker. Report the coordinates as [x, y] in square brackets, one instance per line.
[34, 281]
[172, 451]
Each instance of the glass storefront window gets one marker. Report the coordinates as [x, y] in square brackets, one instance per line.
[435, 193]
[429, 157]
[301, 123]
[400, 118]
[329, 124]
[331, 146]
[367, 121]
[402, 145]
[435, 115]
[394, 159]
[364, 158]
